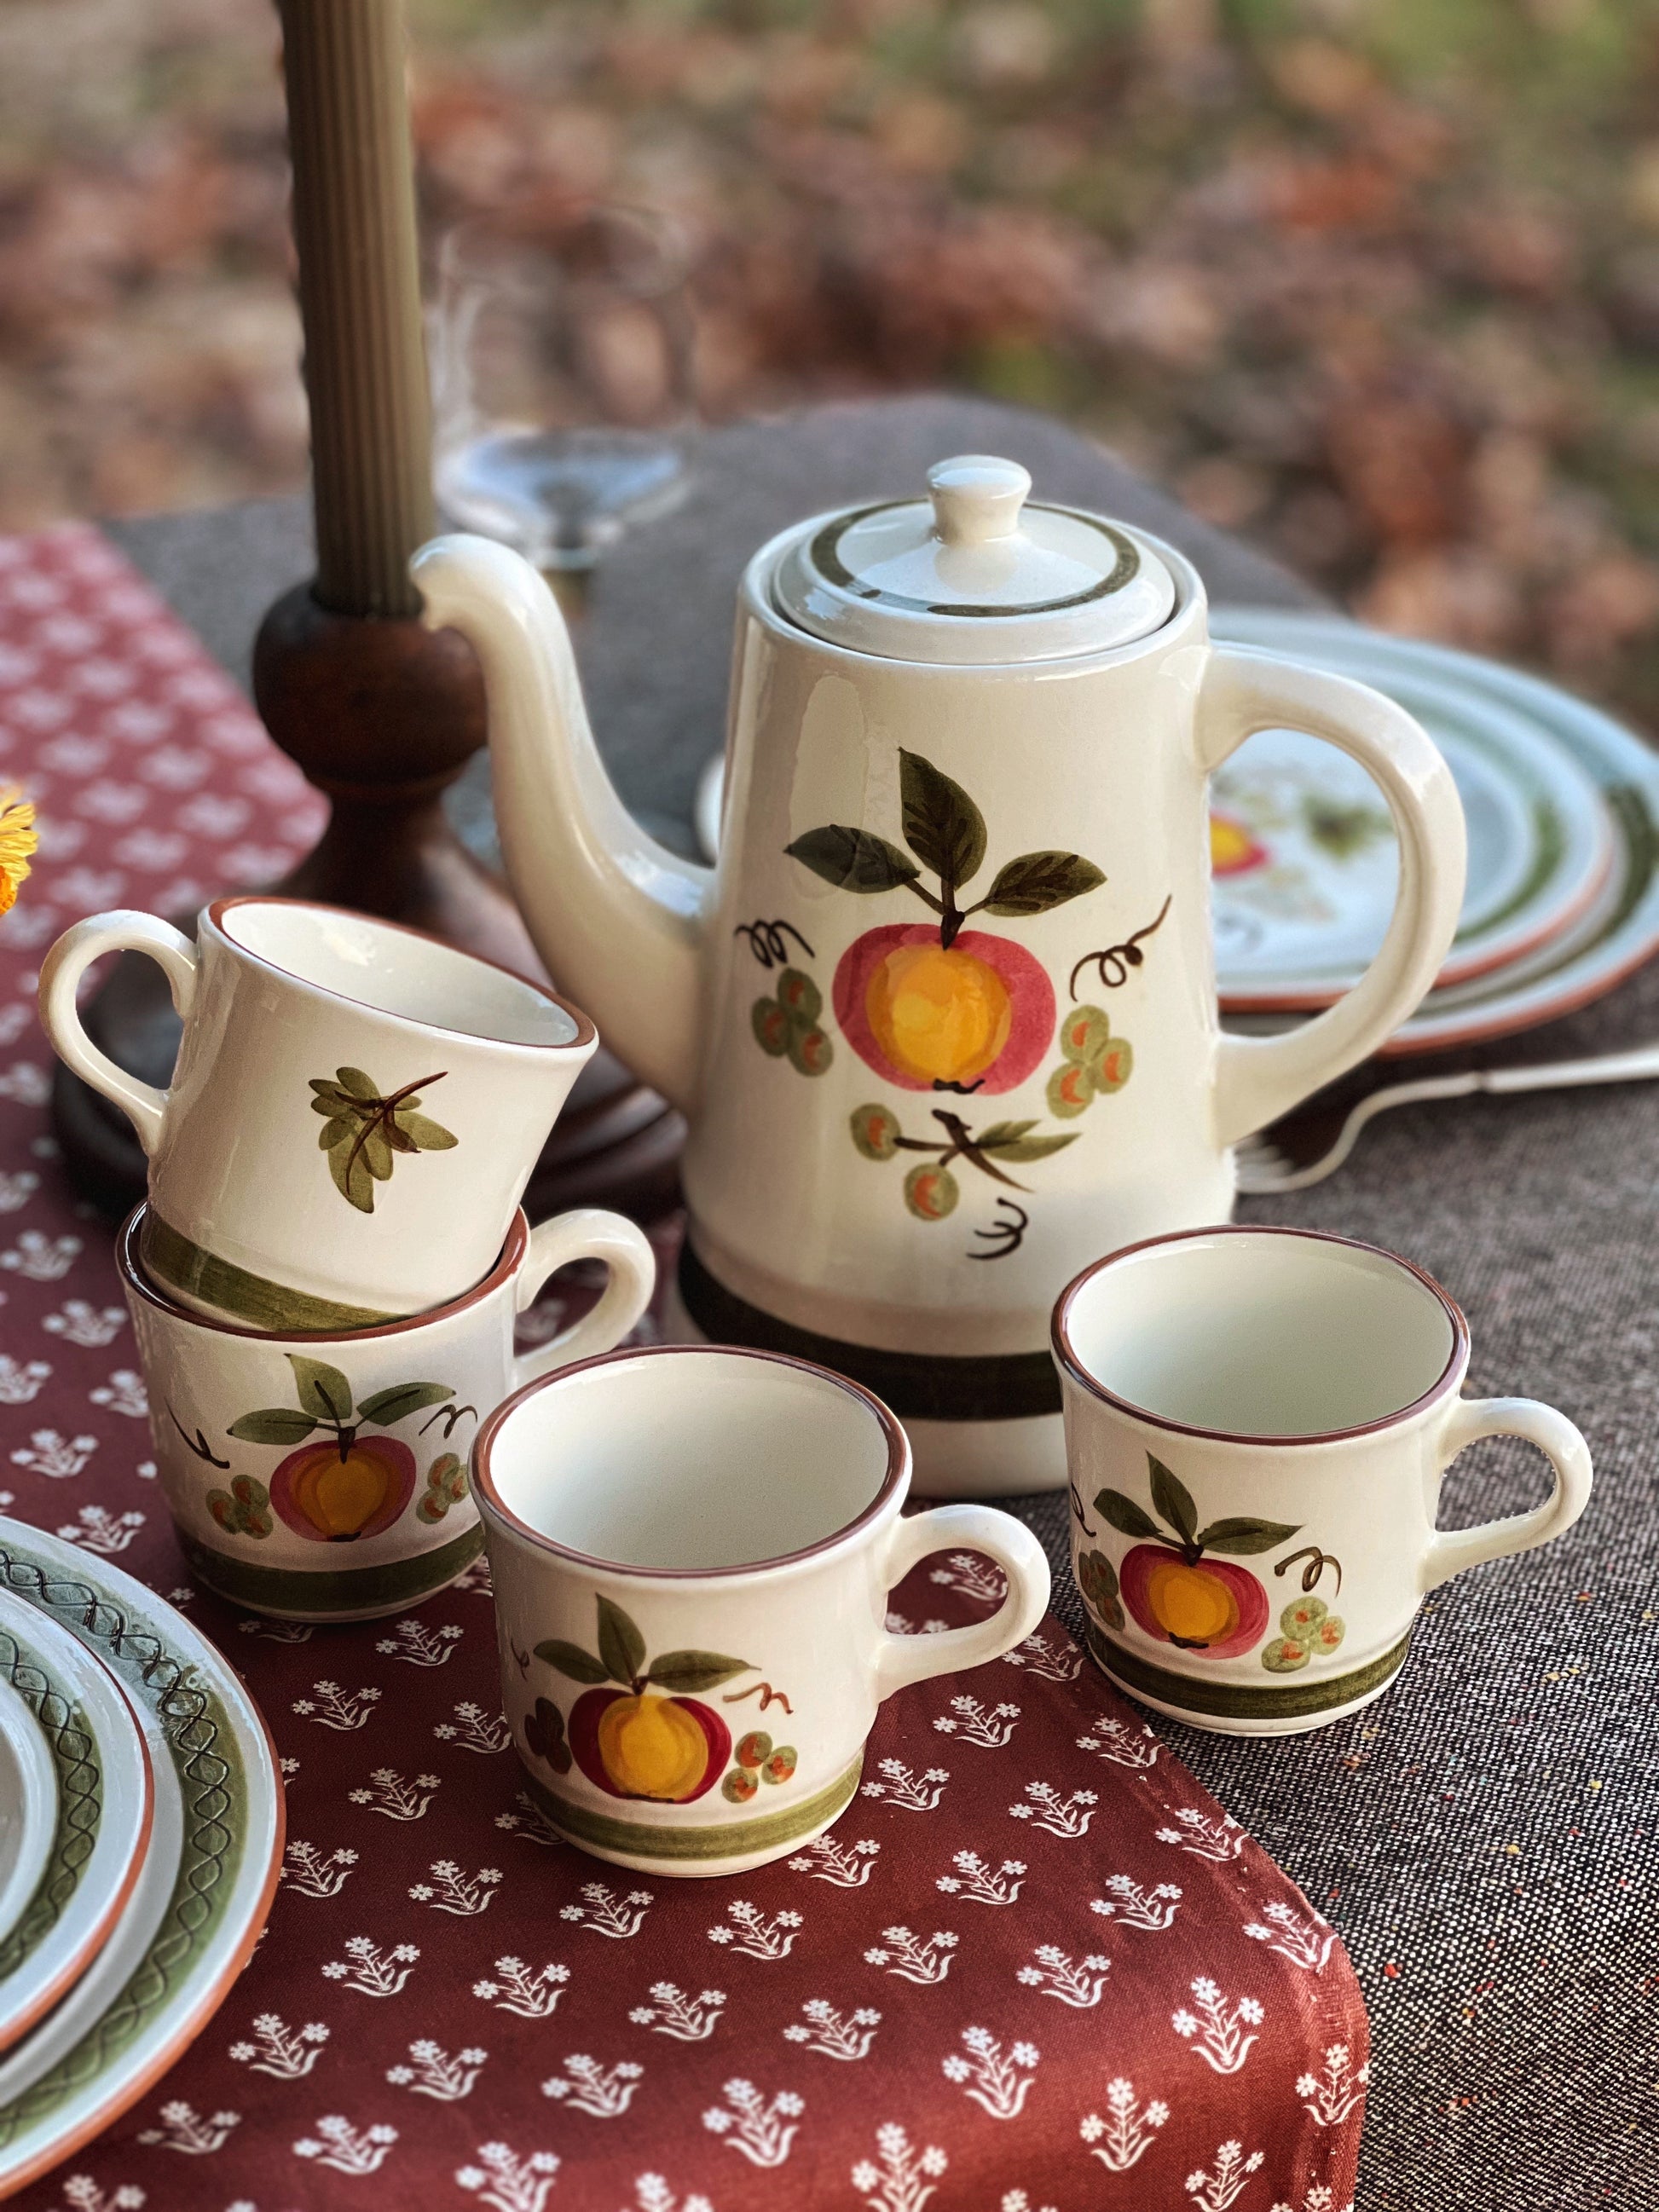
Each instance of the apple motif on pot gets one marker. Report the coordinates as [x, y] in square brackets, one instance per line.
[935, 1005]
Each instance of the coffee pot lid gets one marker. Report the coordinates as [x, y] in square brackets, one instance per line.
[973, 575]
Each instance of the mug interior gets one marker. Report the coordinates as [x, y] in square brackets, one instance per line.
[396, 971]
[692, 1459]
[1260, 1332]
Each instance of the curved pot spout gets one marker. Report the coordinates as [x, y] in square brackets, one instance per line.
[616, 917]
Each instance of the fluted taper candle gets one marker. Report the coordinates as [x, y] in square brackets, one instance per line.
[345, 62]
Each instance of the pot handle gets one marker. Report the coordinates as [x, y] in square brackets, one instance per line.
[586, 1233]
[906, 1659]
[1450, 1553]
[1244, 690]
[121, 931]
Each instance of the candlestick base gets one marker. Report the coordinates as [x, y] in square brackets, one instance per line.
[381, 714]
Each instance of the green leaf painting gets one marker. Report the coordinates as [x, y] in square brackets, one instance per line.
[1036, 881]
[1239, 1536]
[684, 1672]
[622, 1658]
[947, 833]
[942, 826]
[325, 1402]
[365, 1129]
[852, 859]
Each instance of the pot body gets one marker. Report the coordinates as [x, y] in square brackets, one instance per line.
[796, 1231]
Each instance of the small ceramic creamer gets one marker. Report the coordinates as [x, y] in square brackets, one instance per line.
[943, 1019]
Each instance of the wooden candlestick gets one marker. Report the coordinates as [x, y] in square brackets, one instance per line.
[379, 713]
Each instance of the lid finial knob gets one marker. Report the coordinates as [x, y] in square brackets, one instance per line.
[978, 497]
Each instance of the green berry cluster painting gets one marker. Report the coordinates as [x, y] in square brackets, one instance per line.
[787, 1024]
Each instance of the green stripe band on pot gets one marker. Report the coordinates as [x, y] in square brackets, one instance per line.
[1239, 1701]
[338, 1590]
[178, 1265]
[918, 1385]
[731, 1839]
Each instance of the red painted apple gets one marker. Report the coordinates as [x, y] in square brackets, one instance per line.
[1233, 851]
[335, 1491]
[1203, 1605]
[976, 1015]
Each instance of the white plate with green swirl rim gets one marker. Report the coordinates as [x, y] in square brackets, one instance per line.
[28, 1806]
[1614, 935]
[97, 1828]
[201, 1897]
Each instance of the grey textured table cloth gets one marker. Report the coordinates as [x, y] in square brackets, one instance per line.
[1483, 1837]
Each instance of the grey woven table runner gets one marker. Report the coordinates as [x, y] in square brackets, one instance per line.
[1483, 1837]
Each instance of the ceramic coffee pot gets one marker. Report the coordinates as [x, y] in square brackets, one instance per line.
[943, 1019]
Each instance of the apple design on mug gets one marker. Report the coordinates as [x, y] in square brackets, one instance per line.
[1171, 1582]
[640, 1728]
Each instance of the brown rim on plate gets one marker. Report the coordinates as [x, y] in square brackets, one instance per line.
[894, 1482]
[217, 909]
[136, 1278]
[1067, 1356]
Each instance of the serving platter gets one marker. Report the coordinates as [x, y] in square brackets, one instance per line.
[210, 1868]
[103, 1797]
[1614, 934]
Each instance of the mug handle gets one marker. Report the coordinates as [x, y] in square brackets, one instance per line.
[906, 1659]
[1560, 1443]
[121, 931]
[586, 1233]
[1258, 1078]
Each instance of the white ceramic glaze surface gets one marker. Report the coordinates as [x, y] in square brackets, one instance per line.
[355, 1113]
[105, 1791]
[28, 1805]
[929, 872]
[691, 1549]
[1257, 1424]
[321, 1478]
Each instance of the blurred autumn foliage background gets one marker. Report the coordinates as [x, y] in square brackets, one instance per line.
[1376, 282]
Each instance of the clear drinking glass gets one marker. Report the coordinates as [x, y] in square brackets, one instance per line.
[563, 389]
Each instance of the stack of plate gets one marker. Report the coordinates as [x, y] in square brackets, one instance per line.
[141, 1830]
[1563, 811]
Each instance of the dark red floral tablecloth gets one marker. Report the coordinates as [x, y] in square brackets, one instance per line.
[1034, 1968]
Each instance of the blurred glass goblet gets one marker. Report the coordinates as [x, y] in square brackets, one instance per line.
[563, 389]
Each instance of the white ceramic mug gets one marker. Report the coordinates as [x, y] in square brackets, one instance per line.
[691, 1548]
[1257, 1422]
[355, 1113]
[322, 1478]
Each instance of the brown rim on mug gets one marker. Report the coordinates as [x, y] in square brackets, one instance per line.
[1066, 1353]
[492, 1503]
[136, 1278]
[217, 909]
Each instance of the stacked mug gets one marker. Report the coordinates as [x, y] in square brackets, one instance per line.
[325, 1276]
